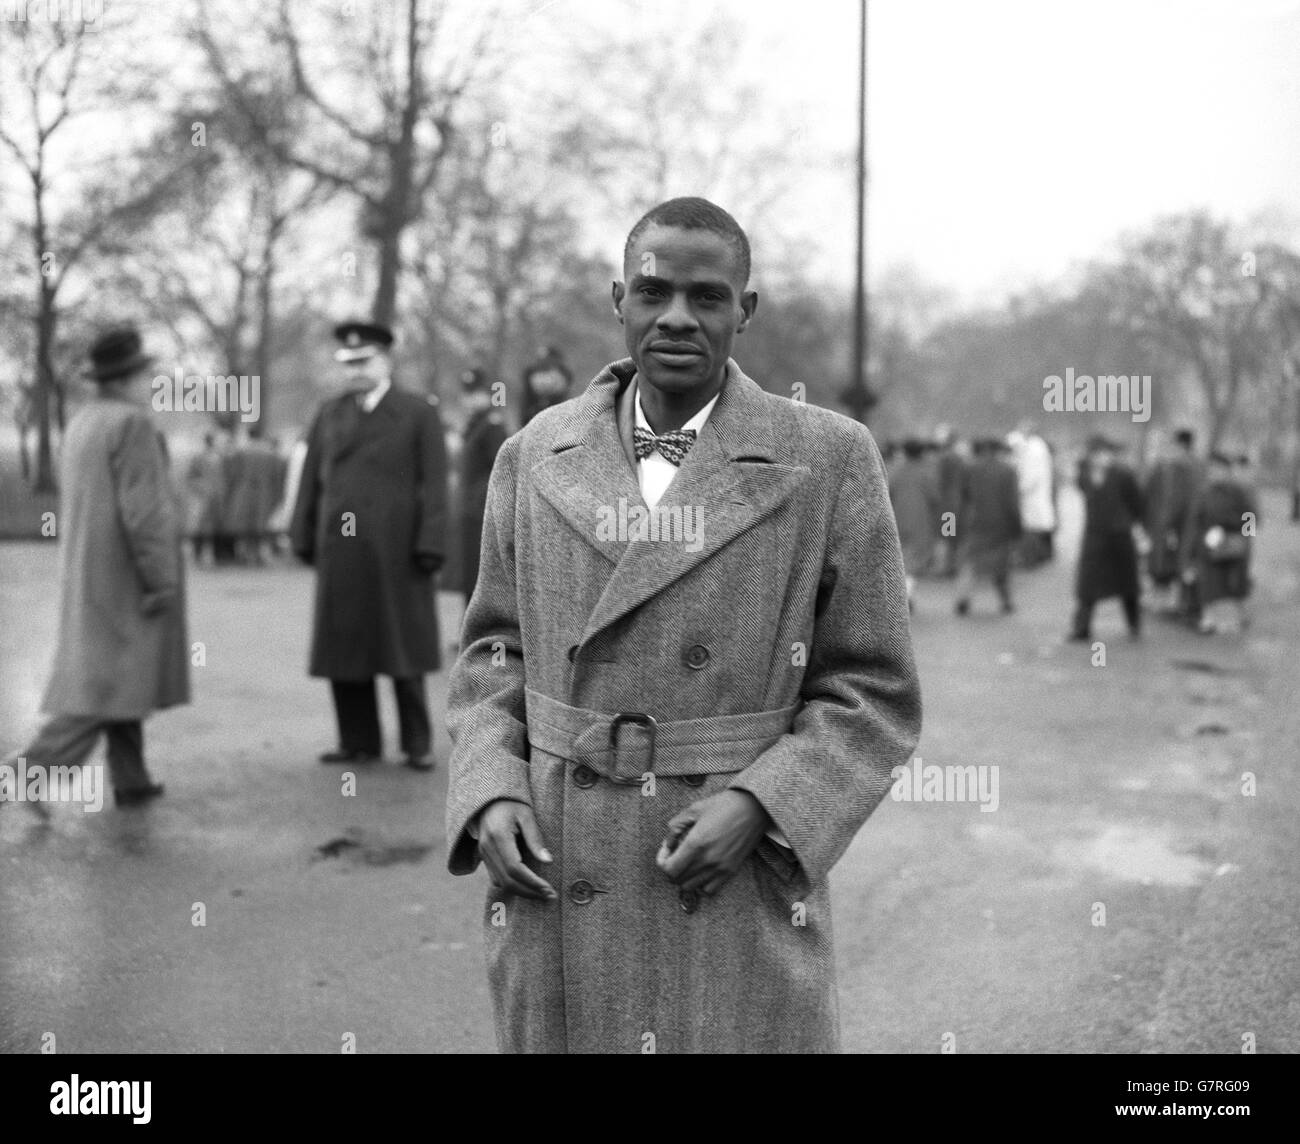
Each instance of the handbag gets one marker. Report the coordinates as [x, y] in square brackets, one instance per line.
[1222, 546]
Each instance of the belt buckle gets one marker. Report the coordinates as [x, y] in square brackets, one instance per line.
[644, 720]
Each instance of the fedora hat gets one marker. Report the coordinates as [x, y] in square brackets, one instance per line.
[116, 353]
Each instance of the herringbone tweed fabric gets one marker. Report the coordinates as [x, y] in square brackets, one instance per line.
[791, 593]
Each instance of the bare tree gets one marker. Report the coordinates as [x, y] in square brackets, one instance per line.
[51, 82]
[385, 148]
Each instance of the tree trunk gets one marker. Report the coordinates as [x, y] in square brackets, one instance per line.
[45, 384]
[264, 306]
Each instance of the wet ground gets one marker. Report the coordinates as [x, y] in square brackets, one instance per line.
[1125, 895]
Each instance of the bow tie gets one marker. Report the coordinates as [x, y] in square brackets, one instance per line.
[672, 446]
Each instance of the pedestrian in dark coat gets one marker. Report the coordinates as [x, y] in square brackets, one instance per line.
[1108, 559]
[485, 433]
[371, 516]
[685, 679]
[205, 495]
[257, 483]
[1170, 489]
[950, 469]
[1218, 531]
[988, 524]
[547, 381]
[122, 650]
[914, 494]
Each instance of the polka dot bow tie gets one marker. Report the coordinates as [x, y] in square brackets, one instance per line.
[672, 446]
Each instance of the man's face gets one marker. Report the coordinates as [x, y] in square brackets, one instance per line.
[366, 373]
[681, 304]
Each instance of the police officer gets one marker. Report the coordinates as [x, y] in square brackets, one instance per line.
[371, 516]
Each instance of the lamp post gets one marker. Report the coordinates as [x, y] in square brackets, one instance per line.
[859, 396]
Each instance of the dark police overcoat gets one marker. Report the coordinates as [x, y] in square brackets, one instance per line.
[771, 644]
[485, 433]
[372, 498]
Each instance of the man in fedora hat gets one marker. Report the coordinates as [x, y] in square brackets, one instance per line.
[371, 515]
[122, 648]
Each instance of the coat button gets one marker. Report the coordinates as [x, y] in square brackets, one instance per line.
[689, 900]
[584, 777]
[573, 653]
[693, 780]
[581, 892]
[697, 657]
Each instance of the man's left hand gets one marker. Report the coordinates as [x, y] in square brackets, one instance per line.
[709, 841]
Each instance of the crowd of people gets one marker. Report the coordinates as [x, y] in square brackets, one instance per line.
[232, 491]
[974, 510]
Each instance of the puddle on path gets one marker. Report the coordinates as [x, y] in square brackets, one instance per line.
[1134, 854]
[355, 849]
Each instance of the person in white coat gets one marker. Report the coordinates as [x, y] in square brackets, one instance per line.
[1033, 461]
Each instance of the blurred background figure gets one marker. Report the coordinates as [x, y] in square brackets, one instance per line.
[988, 524]
[1171, 487]
[232, 476]
[1034, 471]
[205, 491]
[1217, 542]
[547, 380]
[1108, 558]
[257, 476]
[483, 436]
[122, 649]
[915, 496]
[950, 469]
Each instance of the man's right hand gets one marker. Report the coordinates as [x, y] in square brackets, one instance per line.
[499, 826]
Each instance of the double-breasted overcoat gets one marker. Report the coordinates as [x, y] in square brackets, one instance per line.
[119, 524]
[767, 636]
[373, 498]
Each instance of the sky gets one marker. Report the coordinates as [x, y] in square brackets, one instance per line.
[1008, 140]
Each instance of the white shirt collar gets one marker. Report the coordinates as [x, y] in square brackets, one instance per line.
[696, 422]
[372, 398]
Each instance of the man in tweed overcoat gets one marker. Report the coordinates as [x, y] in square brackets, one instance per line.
[686, 676]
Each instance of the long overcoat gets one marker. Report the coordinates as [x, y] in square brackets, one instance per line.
[914, 497]
[1170, 492]
[485, 433]
[373, 497]
[1108, 555]
[1034, 469]
[988, 516]
[255, 488]
[1220, 504]
[119, 525]
[770, 643]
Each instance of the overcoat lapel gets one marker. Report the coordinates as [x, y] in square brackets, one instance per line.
[729, 481]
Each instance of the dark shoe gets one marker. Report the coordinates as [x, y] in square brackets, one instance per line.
[963, 606]
[137, 796]
[419, 762]
[1078, 637]
[1007, 607]
[358, 757]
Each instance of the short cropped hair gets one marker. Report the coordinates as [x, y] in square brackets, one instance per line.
[694, 214]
